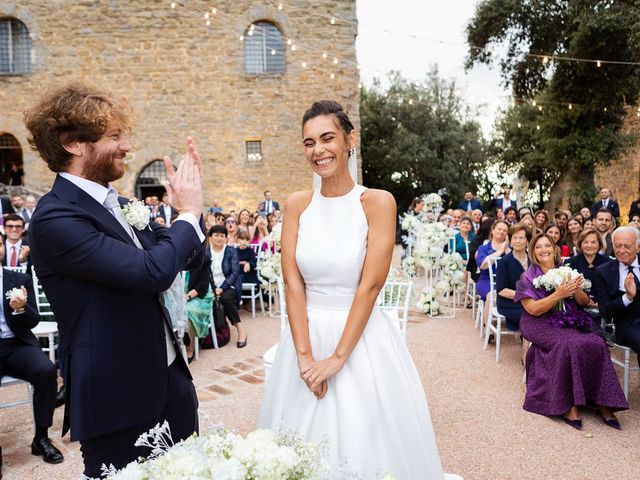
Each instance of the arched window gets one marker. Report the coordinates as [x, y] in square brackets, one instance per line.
[151, 180]
[264, 49]
[15, 47]
[10, 160]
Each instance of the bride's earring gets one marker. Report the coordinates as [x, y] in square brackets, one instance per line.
[352, 155]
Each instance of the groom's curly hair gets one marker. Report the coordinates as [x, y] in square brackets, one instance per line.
[69, 113]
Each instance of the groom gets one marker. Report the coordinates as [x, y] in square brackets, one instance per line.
[104, 277]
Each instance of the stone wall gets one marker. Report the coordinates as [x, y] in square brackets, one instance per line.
[185, 78]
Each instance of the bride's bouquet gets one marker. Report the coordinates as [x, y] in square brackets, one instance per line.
[550, 281]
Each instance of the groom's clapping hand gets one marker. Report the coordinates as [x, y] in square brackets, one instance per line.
[185, 182]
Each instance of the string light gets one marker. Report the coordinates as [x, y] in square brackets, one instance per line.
[570, 107]
[534, 103]
[519, 125]
[173, 4]
[280, 6]
[324, 55]
[537, 127]
[303, 64]
[335, 61]
[289, 41]
[540, 108]
[208, 22]
[333, 75]
[293, 48]
[273, 51]
[214, 11]
[332, 21]
[545, 59]
[410, 102]
[599, 63]
[206, 16]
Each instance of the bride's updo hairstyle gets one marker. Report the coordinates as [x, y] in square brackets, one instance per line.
[329, 107]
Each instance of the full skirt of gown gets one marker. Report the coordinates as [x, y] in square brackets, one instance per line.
[374, 415]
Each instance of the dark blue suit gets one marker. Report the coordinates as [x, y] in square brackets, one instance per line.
[475, 204]
[609, 295]
[105, 294]
[508, 272]
[612, 206]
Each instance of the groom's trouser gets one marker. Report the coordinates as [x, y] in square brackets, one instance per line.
[117, 449]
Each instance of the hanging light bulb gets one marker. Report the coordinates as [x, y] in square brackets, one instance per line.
[280, 6]
[173, 4]
[534, 103]
[293, 48]
[570, 107]
[273, 51]
[540, 108]
[333, 75]
[332, 21]
[335, 61]
[208, 22]
[303, 64]
[324, 56]
[214, 11]
[545, 59]
[206, 16]
[519, 125]
[241, 38]
[598, 63]
[289, 42]
[537, 127]
[410, 101]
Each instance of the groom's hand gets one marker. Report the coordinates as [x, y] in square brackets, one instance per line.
[185, 183]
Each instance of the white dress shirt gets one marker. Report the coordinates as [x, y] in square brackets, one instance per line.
[99, 194]
[9, 249]
[216, 267]
[624, 271]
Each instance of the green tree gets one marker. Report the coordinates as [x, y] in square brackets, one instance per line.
[583, 103]
[417, 138]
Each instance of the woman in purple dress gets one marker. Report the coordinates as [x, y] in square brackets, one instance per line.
[567, 365]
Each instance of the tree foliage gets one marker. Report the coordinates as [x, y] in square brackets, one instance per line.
[565, 140]
[417, 138]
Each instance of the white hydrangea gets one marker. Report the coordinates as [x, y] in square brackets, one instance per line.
[136, 214]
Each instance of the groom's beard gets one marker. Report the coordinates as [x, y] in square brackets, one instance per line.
[102, 166]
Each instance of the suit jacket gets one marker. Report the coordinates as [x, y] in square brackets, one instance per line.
[106, 296]
[613, 207]
[7, 208]
[475, 204]
[7, 258]
[162, 212]
[21, 324]
[26, 215]
[499, 201]
[261, 206]
[634, 208]
[609, 298]
[231, 270]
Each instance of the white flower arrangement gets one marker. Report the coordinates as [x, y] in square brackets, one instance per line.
[276, 233]
[223, 455]
[556, 276]
[14, 293]
[427, 302]
[269, 267]
[136, 214]
[433, 203]
[409, 265]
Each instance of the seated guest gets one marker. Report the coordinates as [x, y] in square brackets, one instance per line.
[527, 219]
[199, 303]
[476, 216]
[248, 260]
[553, 231]
[588, 224]
[589, 257]
[225, 271]
[261, 238]
[456, 215]
[21, 357]
[463, 237]
[560, 218]
[17, 202]
[272, 219]
[541, 219]
[508, 272]
[618, 287]
[574, 229]
[496, 247]
[585, 212]
[634, 221]
[567, 365]
[511, 216]
[245, 221]
[231, 224]
[481, 237]
[29, 207]
[605, 223]
[524, 211]
[498, 213]
[469, 203]
[16, 247]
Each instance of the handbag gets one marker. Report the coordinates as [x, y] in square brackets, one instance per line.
[223, 332]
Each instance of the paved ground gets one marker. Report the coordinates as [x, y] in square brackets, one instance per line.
[482, 431]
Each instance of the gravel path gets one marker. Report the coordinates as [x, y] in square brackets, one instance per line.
[476, 407]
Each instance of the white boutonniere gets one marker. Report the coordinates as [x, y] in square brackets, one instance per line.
[136, 214]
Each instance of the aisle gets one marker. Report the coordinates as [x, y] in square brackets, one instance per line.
[482, 431]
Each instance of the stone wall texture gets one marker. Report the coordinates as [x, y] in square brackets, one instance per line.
[184, 78]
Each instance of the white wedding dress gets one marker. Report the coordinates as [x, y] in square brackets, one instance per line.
[375, 414]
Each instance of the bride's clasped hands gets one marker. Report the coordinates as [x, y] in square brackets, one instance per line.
[315, 374]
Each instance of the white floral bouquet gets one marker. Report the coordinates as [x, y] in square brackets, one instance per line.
[550, 281]
[223, 455]
[427, 302]
[269, 267]
[276, 234]
[136, 214]
[433, 203]
[14, 293]
[409, 222]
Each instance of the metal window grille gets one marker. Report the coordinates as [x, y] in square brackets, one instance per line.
[9, 142]
[254, 151]
[15, 47]
[153, 174]
[264, 49]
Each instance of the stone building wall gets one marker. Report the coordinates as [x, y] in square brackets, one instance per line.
[185, 78]
[622, 176]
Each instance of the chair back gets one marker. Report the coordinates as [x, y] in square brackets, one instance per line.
[256, 247]
[44, 308]
[492, 263]
[283, 305]
[17, 268]
[397, 296]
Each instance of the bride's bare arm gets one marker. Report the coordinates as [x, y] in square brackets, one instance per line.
[380, 209]
[293, 282]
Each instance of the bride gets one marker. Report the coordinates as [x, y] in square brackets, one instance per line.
[341, 372]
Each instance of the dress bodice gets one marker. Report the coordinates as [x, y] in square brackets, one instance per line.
[332, 243]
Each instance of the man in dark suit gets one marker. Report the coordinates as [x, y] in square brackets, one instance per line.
[505, 201]
[166, 211]
[103, 273]
[618, 287]
[606, 202]
[21, 356]
[469, 202]
[268, 205]
[16, 247]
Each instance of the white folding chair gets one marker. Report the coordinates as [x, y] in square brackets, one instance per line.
[17, 268]
[625, 363]
[47, 327]
[254, 291]
[396, 296]
[493, 313]
[7, 381]
[270, 355]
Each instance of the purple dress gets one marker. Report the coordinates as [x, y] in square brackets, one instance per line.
[565, 366]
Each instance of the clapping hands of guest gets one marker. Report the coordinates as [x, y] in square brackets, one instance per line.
[630, 286]
[19, 302]
[185, 182]
[24, 253]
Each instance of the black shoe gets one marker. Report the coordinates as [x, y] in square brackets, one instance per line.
[44, 447]
[0, 463]
[190, 359]
[61, 396]
[186, 340]
[242, 344]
